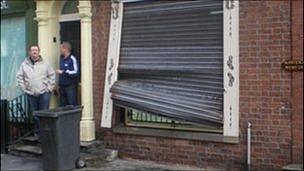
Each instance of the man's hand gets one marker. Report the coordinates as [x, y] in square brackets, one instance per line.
[58, 71]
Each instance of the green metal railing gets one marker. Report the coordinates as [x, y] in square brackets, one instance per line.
[18, 118]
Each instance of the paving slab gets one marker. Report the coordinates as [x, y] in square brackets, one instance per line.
[139, 165]
[9, 162]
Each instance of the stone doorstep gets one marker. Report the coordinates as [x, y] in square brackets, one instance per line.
[92, 144]
[291, 167]
[98, 158]
[25, 150]
[95, 157]
[31, 140]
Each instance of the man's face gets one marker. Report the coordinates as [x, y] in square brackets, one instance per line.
[34, 53]
[63, 50]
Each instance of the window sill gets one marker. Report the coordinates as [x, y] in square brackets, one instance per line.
[201, 136]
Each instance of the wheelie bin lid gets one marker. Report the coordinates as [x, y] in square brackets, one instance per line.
[56, 112]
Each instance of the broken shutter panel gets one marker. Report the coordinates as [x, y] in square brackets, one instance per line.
[171, 60]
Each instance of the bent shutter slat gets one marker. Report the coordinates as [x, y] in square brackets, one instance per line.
[171, 60]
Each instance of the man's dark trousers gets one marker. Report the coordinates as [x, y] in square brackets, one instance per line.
[68, 95]
[39, 102]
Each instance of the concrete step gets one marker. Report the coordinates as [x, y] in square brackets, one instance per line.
[97, 158]
[95, 153]
[31, 140]
[25, 150]
[87, 147]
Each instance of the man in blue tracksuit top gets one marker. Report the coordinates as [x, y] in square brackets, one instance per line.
[68, 76]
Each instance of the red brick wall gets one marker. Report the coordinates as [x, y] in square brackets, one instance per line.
[297, 82]
[265, 96]
[101, 11]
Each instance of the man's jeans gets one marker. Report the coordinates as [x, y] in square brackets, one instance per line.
[68, 95]
[37, 103]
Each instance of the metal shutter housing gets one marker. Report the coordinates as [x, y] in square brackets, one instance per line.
[171, 60]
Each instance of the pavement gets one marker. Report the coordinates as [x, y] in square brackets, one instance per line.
[9, 162]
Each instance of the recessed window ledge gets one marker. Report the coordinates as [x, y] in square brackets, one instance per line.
[201, 136]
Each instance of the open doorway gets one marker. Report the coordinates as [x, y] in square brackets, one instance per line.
[70, 31]
[52, 13]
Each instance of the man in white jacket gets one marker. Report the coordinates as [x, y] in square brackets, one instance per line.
[37, 79]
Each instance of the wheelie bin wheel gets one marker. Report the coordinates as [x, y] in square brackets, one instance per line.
[80, 163]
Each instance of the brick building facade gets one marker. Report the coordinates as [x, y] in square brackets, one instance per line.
[297, 82]
[270, 98]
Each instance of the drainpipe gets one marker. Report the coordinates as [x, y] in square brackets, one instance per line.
[249, 146]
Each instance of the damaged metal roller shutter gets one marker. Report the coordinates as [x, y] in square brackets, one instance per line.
[171, 60]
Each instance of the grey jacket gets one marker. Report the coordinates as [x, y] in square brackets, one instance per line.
[35, 79]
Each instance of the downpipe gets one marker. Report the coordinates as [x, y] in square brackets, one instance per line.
[249, 146]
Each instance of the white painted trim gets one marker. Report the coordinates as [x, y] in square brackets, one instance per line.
[112, 64]
[231, 48]
[69, 17]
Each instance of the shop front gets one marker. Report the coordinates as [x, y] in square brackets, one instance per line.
[184, 81]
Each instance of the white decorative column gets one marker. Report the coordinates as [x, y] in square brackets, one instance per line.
[112, 62]
[87, 124]
[42, 19]
[231, 67]
[44, 37]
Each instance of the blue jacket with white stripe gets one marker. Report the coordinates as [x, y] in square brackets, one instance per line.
[70, 68]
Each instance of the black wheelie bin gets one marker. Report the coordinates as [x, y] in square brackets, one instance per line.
[60, 137]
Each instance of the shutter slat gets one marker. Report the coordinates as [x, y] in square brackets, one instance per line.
[181, 34]
[171, 100]
[182, 99]
[165, 3]
[196, 24]
[175, 7]
[186, 18]
[200, 80]
[171, 60]
[176, 69]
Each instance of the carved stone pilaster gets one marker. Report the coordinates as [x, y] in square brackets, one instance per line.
[84, 9]
[230, 4]
[41, 17]
[87, 123]
[114, 9]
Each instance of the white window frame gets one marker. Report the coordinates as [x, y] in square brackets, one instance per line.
[231, 65]
[67, 17]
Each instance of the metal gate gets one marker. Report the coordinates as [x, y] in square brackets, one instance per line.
[17, 119]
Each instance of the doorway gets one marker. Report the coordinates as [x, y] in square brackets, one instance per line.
[49, 15]
[70, 31]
